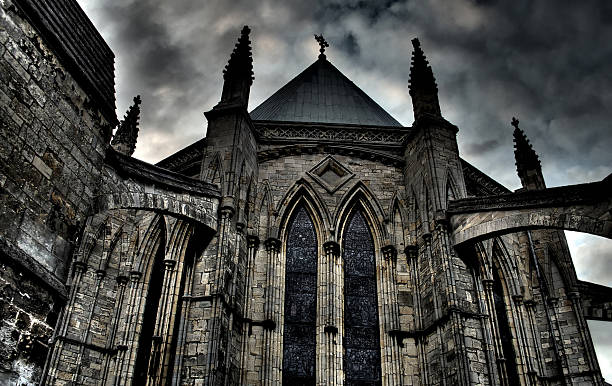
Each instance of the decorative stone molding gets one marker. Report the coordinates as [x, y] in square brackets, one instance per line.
[330, 174]
[382, 156]
[412, 251]
[253, 241]
[389, 252]
[332, 247]
[331, 330]
[344, 134]
[272, 244]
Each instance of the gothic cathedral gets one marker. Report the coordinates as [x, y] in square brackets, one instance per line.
[311, 241]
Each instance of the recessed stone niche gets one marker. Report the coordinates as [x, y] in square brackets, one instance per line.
[330, 174]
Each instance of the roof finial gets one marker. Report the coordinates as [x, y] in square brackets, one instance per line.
[323, 43]
[515, 123]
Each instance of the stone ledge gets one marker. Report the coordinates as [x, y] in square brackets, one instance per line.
[557, 196]
[23, 260]
[140, 170]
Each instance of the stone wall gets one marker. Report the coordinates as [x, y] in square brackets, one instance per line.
[53, 139]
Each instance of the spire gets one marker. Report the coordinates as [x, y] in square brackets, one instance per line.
[125, 137]
[238, 73]
[422, 84]
[528, 165]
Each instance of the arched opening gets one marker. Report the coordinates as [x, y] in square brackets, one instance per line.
[146, 341]
[362, 362]
[299, 338]
[505, 333]
[591, 256]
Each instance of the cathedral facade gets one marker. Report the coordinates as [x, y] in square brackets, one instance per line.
[313, 240]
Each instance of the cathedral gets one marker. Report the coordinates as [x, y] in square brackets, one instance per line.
[311, 241]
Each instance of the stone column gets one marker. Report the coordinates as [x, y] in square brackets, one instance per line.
[437, 308]
[412, 255]
[252, 247]
[110, 342]
[79, 268]
[536, 347]
[331, 369]
[162, 335]
[272, 358]
[557, 336]
[100, 274]
[391, 315]
[441, 237]
[585, 337]
[499, 352]
[125, 346]
[486, 323]
[525, 360]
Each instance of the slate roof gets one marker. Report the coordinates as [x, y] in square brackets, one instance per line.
[322, 94]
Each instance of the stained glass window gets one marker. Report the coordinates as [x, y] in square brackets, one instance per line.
[362, 342]
[300, 302]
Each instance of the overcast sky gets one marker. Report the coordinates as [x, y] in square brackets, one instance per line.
[549, 63]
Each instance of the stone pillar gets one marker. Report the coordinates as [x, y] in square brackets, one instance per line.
[536, 348]
[115, 320]
[557, 336]
[444, 245]
[125, 345]
[412, 255]
[392, 354]
[79, 268]
[272, 358]
[499, 352]
[100, 274]
[330, 370]
[525, 362]
[585, 337]
[437, 308]
[486, 323]
[246, 366]
[223, 252]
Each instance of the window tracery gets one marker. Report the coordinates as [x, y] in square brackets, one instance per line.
[362, 342]
[299, 339]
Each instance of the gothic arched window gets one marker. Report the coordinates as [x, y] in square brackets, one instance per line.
[362, 343]
[300, 301]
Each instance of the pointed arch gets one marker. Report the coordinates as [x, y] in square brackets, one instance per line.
[398, 222]
[301, 264]
[249, 201]
[361, 195]
[362, 343]
[262, 222]
[303, 193]
[215, 172]
[507, 265]
[93, 232]
[240, 186]
[108, 252]
[414, 217]
[150, 241]
[451, 188]
[427, 206]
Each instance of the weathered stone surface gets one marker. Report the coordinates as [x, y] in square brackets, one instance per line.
[115, 271]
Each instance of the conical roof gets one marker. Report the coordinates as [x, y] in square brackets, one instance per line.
[322, 94]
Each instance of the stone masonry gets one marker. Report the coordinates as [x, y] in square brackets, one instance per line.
[202, 270]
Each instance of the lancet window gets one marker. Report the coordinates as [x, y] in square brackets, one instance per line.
[362, 342]
[299, 338]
